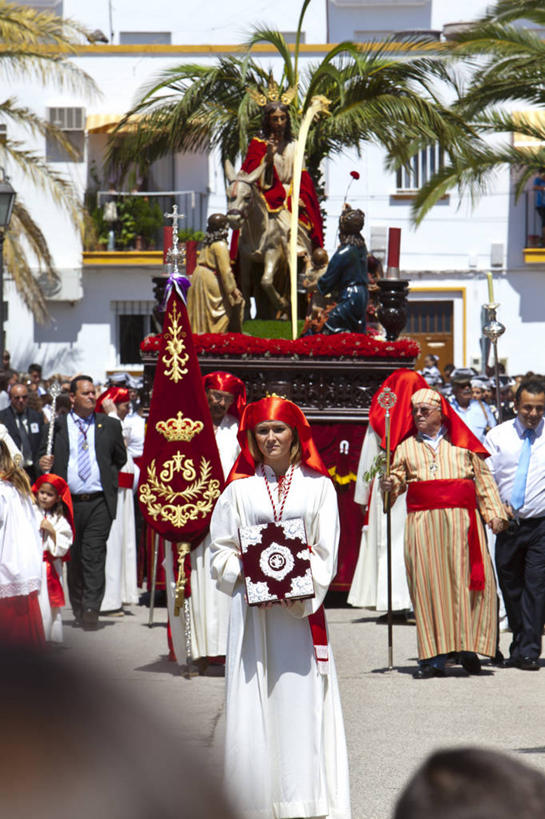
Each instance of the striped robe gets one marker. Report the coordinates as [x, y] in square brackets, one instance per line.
[449, 617]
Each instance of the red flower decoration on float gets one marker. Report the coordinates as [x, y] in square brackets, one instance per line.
[354, 175]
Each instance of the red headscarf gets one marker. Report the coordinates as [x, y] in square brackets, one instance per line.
[403, 383]
[116, 394]
[275, 409]
[225, 382]
[61, 486]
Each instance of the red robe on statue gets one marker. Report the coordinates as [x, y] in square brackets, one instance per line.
[276, 197]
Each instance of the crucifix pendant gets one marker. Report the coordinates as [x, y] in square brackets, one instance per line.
[433, 468]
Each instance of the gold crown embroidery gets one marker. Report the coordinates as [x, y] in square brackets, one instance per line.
[179, 428]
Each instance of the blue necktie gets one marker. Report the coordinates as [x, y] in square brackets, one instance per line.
[84, 456]
[521, 475]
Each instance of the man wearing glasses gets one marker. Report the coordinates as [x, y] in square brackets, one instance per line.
[25, 427]
[449, 571]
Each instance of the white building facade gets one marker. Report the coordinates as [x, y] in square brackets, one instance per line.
[103, 304]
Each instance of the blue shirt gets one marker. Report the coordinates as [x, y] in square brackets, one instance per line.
[477, 417]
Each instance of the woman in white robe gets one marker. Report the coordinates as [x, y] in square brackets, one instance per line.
[369, 587]
[370, 582]
[120, 569]
[285, 752]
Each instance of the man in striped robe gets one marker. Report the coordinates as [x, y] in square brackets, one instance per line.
[449, 571]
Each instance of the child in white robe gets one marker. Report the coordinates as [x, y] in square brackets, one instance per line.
[56, 522]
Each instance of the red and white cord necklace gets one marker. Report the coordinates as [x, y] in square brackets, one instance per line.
[284, 483]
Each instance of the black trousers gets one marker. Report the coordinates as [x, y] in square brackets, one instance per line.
[520, 562]
[86, 579]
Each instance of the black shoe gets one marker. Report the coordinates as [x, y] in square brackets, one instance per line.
[89, 620]
[511, 662]
[528, 664]
[426, 672]
[470, 662]
[498, 659]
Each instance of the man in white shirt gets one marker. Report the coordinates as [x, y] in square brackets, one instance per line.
[517, 462]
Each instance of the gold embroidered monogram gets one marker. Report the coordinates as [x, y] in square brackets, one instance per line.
[177, 507]
[175, 356]
[179, 428]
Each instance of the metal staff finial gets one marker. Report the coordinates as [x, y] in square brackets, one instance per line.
[54, 391]
[493, 329]
[387, 400]
[174, 252]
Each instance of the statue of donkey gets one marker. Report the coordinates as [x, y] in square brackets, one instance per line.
[262, 244]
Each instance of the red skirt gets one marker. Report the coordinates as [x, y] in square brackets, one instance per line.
[21, 620]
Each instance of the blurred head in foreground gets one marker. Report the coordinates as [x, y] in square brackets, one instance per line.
[74, 745]
[473, 783]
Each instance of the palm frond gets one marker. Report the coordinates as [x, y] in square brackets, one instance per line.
[276, 39]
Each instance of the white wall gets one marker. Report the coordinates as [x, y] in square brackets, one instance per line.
[450, 249]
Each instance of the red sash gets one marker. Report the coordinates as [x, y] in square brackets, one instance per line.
[452, 494]
[54, 585]
[318, 630]
[126, 480]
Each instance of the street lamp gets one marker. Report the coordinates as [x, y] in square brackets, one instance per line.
[7, 201]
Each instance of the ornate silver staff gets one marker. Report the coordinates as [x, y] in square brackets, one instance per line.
[54, 391]
[493, 329]
[154, 555]
[181, 600]
[387, 400]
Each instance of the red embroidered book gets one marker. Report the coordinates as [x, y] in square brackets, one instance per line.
[276, 561]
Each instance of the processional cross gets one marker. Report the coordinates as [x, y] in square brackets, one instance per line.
[174, 252]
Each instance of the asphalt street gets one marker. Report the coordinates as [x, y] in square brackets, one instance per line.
[392, 721]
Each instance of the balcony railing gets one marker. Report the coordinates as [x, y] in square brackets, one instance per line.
[121, 235]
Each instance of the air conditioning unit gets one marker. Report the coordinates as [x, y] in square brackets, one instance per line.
[67, 119]
[67, 287]
[496, 255]
[378, 241]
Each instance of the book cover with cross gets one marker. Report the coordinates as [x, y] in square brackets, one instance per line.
[276, 561]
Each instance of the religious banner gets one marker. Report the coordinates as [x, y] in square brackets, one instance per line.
[181, 476]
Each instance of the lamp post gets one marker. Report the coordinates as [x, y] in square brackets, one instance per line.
[7, 200]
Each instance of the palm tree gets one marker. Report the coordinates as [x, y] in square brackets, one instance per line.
[507, 65]
[380, 93]
[36, 46]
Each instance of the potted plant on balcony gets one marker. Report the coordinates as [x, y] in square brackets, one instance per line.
[139, 221]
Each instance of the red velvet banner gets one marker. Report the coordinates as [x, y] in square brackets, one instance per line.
[181, 476]
[339, 446]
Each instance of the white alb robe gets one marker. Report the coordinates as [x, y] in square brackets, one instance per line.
[285, 751]
[51, 615]
[120, 570]
[209, 607]
[369, 587]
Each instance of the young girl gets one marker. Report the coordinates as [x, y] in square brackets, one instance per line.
[56, 523]
[20, 557]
